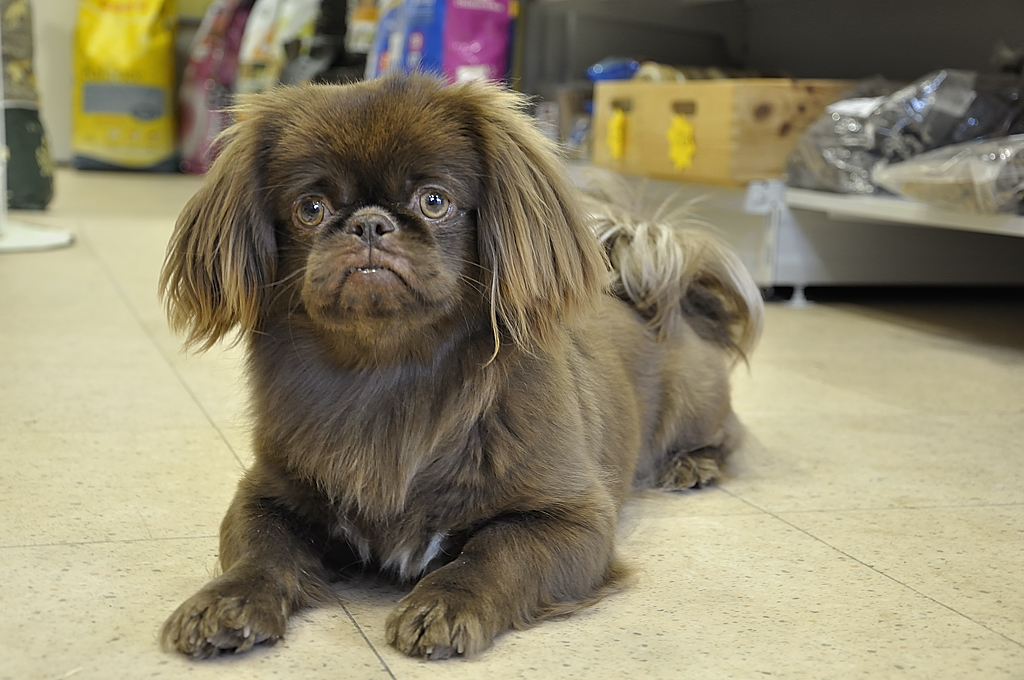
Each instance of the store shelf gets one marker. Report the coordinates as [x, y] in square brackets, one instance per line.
[796, 237]
[901, 211]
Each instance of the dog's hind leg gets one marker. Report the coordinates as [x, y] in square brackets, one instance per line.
[696, 468]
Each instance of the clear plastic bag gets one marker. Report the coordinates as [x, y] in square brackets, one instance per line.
[836, 153]
[979, 176]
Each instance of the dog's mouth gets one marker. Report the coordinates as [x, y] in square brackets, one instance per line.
[375, 280]
[373, 272]
[381, 284]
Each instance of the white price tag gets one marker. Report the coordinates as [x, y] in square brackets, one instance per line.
[862, 107]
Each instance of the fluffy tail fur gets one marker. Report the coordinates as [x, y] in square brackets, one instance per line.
[670, 271]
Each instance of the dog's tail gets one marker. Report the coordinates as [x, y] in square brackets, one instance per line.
[670, 269]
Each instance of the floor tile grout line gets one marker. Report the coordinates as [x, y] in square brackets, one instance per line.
[877, 571]
[145, 525]
[68, 544]
[167, 360]
[373, 648]
[877, 508]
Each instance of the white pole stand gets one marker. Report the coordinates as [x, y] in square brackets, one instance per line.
[16, 237]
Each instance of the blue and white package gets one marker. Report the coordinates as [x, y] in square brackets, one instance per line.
[386, 48]
[424, 35]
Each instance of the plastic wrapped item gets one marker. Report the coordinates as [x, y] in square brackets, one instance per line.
[923, 115]
[387, 40]
[362, 25]
[651, 71]
[839, 151]
[614, 68]
[123, 115]
[273, 27]
[979, 176]
[207, 86]
[29, 164]
[459, 39]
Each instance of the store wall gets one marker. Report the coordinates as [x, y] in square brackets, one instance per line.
[901, 39]
[53, 24]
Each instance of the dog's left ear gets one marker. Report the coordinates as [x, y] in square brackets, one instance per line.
[546, 263]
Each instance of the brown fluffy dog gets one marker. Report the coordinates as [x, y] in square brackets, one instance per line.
[449, 382]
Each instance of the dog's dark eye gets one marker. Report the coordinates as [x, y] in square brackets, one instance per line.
[311, 212]
[435, 205]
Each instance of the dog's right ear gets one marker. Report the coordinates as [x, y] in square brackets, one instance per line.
[223, 251]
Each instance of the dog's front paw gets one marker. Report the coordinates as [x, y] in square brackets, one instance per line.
[227, 614]
[435, 624]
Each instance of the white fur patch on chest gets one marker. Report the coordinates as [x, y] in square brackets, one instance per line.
[358, 543]
[409, 563]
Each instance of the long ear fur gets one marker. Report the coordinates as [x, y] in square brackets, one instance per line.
[668, 271]
[546, 264]
[222, 252]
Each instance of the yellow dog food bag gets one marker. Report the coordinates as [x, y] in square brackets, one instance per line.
[124, 85]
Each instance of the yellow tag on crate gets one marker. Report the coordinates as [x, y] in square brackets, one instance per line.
[617, 134]
[681, 145]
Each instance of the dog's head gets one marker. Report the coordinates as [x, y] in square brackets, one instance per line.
[389, 214]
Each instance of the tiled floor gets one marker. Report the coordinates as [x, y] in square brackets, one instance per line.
[873, 526]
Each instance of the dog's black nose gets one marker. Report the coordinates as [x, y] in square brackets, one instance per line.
[370, 226]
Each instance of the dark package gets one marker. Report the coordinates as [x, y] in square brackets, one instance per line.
[208, 83]
[838, 152]
[29, 165]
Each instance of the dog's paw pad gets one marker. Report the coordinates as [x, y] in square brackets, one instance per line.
[212, 621]
[426, 626]
[688, 472]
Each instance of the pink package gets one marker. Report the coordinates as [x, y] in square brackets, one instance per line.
[208, 82]
[476, 40]
[459, 39]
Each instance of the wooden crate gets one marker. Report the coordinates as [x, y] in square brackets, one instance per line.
[743, 129]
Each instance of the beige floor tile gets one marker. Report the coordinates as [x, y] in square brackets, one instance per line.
[90, 376]
[711, 501]
[768, 390]
[968, 558]
[130, 252]
[87, 346]
[849, 410]
[832, 461]
[216, 382]
[92, 612]
[984, 325]
[76, 487]
[116, 194]
[57, 287]
[74, 356]
[903, 366]
[98, 396]
[729, 597]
